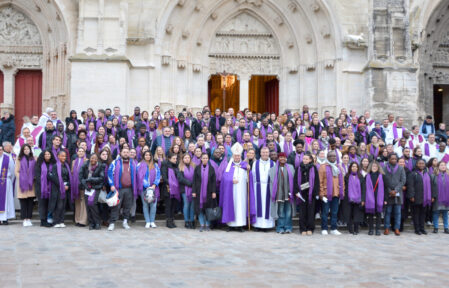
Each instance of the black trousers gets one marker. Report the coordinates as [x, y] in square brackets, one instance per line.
[307, 216]
[93, 211]
[43, 208]
[355, 217]
[126, 201]
[59, 212]
[419, 217]
[104, 211]
[371, 221]
[26, 208]
[170, 206]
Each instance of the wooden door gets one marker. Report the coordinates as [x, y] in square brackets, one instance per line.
[272, 96]
[215, 94]
[28, 96]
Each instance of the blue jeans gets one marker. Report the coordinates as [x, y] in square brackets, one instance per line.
[203, 220]
[436, 215]
[333, 207]
[284, 222]
[149, 210]
[396, 209]
[188, 209]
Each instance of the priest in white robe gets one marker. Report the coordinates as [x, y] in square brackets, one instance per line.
[260, 192]
[6, 188]
[234, 191]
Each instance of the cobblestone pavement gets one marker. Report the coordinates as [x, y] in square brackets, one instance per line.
[77, 257]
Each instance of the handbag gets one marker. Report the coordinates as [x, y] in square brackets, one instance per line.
[213, 214]
[102, 197]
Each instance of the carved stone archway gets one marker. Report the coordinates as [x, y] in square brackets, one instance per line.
[34, 36]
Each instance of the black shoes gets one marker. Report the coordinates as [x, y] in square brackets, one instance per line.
[377, 233]
[44, 223]
[370, 232]
[435, 230]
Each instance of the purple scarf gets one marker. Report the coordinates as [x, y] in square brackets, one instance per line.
[163, 142]
[264, 130]
[372, 205]
[354, 188]
[92, 137]
[61, 181]
[298, 159]
[181, 129]
[130, 134]
[3, 182]
[427, 191]
[196, 160]
[174, 184]
[44, 139]
[395, 131]
[373, 151]
[275, 182]
[204, 182]
[76, 171]
[118, 168]
[394, 169]
[330, 182]
[188, 174]
[217, 123]
[288, 147]
[26, 174]
[91, 198]
[443, 189]
[45, 184]
[311, 181]
[259, 191]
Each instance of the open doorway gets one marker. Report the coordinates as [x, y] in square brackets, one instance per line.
[264, 94]
[224, 92]
[441, 103]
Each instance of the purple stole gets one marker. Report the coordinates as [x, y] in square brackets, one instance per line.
[427, 149]
[288, 147]
[171, 121]
[371, 205]
[420, 138]
[427, 191]
[204, 182]
[443, 189]
[91, 137]
[259, 192]
[3, 182]
[163, 142]
[217, 123]
[89, 119]
[181, 129]
[153, 134]
[61, 181]
[38, 130]
[354, 189]
[264, 131]
[188, 174]
[45, 184]
[99, 123]
[330, 183]
[298, 159]
[196, 160]
[26, 174]
[44, 139]
[147, 124]
[395, 131]
[130, 135]
[311, 182]
[353, 158]
[173, 184]
[408, 163]
[374, 152]
[239, 135]
[75, 122]
[22, 142]
[313, 130]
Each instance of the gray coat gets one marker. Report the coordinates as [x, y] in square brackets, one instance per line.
[394, 182]
[275, 205]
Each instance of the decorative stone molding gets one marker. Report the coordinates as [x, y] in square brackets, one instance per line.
[17, 29]
[309, 39]
[290, 44]
[196, 68]
[245, 66]
[199, 7]
[165, 60]
[292, 6]
[256, 3]
[439, 77]
[325, 32]
[199, 41]
[185, 34]
[181, 3]
[182, 64]
[38, 9]
[293, 69]
[355, 41]
[315, 6]
[21, 60]
[329, 64]
[169, 29]
[310, 67]
[214, 16]
[279, 21]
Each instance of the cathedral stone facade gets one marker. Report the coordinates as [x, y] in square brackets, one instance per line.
[380, 55]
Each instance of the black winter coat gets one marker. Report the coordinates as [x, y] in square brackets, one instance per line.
[96, 181]
[211, 188]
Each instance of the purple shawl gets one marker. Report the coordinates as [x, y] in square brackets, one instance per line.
[373, 205]
[204, 181]
[188, 174]
[427, 191]
[173, 184]
[61, 181]
[130, 135]
[443, 189]
[4, 182]
[330, 183]
[45, 184]
[259, 193]
[298, 159]
[76, 171]
[26, 174]
[354, 188]
[288, 147]
[311, 181]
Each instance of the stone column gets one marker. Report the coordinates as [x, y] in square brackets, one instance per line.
[9, 89]
[244, 91]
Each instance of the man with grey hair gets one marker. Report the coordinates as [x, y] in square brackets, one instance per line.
[45, 117]
[165, 141]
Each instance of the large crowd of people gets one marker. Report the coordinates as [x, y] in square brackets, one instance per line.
[226, 170]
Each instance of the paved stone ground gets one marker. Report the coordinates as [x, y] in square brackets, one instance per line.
[77, 257]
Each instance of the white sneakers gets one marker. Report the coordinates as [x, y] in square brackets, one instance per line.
[147, 225]
[324, 232]
[61, 225]
[125, 224]
[153, 225]
[50, 220]
[27, 223]
[111, 227]
[335, 232]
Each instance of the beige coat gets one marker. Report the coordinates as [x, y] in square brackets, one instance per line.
[22, 194]
[323, 183]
